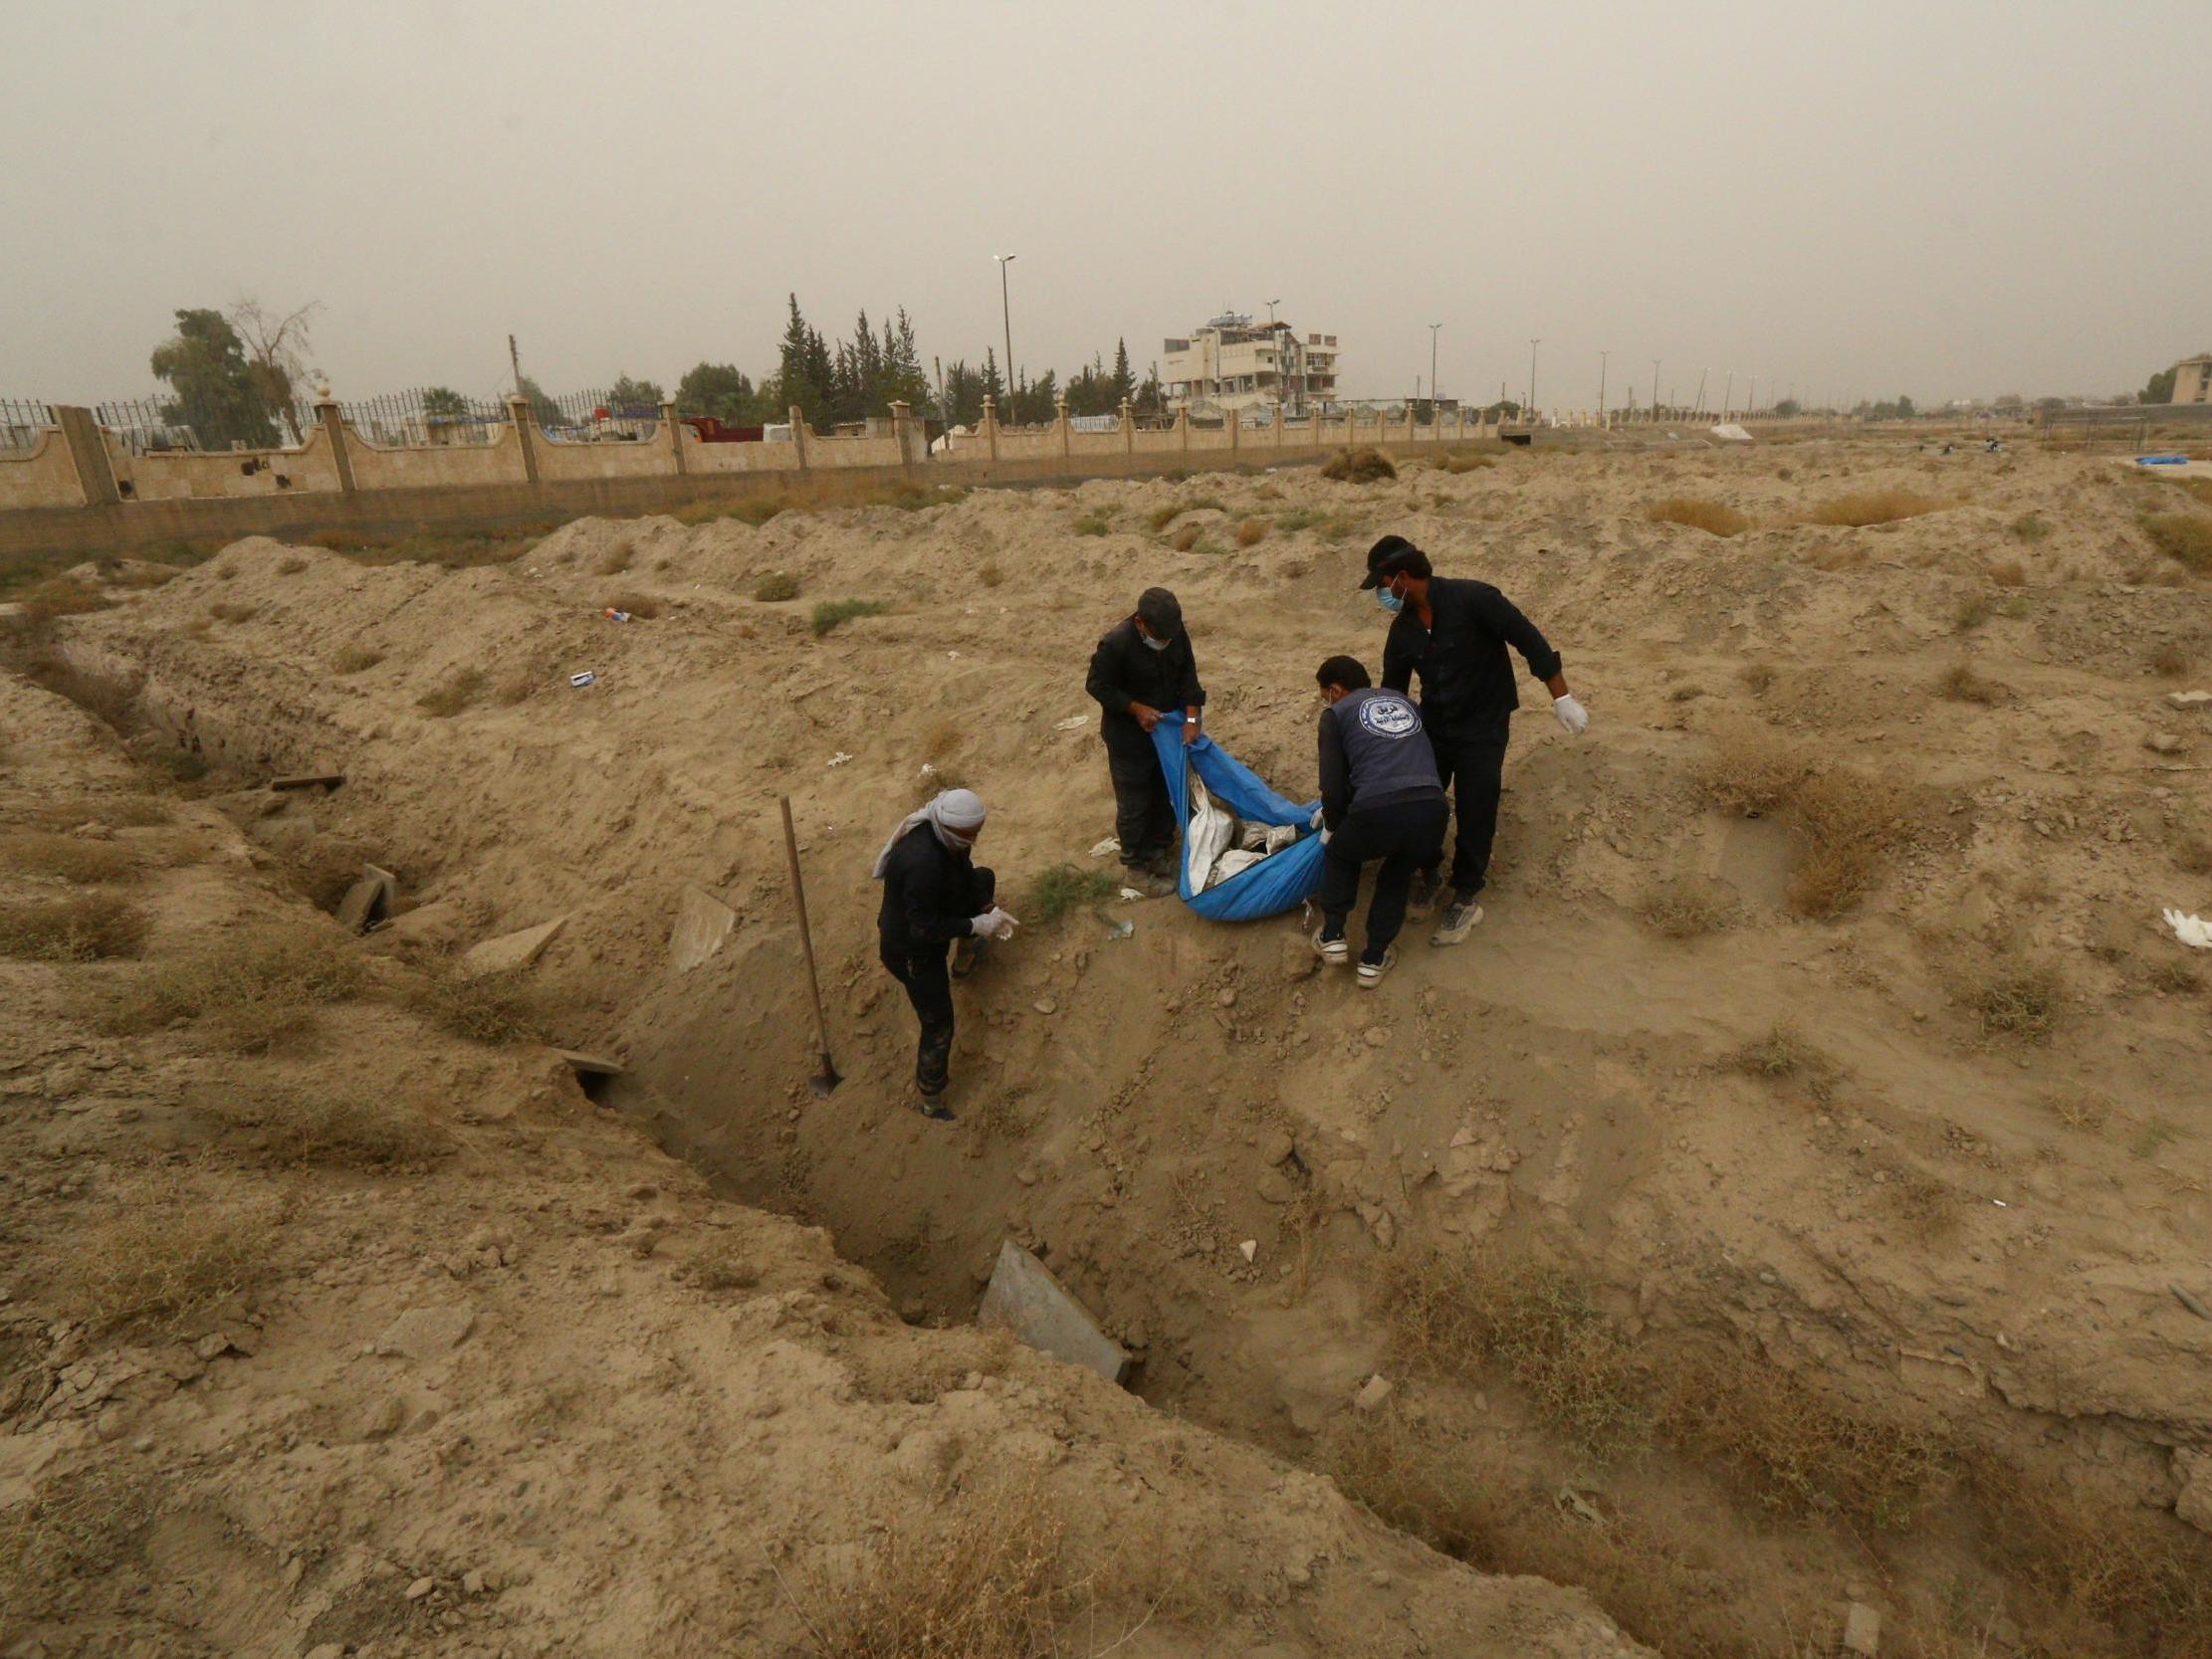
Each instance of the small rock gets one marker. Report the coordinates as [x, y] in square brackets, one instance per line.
[1228, 998]
[1045, 1005]
[326, 1650]
[473, 1582]
[1249, 1249]
[420, 1588]
[424, 1333]
[1862, 1630]
[2164, 743]
[1273, 1148]
[212, 1346]
[1377, 1035]
[1374, 1393]
[2189, 700]
[1380, 1577]
[383, 1421]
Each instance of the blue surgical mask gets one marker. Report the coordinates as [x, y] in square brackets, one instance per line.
[1389, 601]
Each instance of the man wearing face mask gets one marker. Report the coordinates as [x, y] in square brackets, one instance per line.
[1143, 664]
[934, 900]
[1453, 634]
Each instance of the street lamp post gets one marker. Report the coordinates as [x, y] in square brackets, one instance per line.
[1005, 313]
[1728, 397]
[1435, 415]
[1532, 346]
[1655, 387]
[1602, 356]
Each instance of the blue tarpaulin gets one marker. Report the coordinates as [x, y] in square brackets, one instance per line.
[1276, 883]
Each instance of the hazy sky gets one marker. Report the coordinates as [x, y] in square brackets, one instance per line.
[1947, 197]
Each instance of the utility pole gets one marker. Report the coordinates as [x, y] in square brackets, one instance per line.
[1602, 356]
[1752, 407]
[1702, 374]
[1433, 416]
[1532, 346]
[515, 363]
[1271, 304]
[1728, 397]
[1654, 385]
[1006, 313]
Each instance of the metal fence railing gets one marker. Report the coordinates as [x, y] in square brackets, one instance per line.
[145, 425]
[22, 420]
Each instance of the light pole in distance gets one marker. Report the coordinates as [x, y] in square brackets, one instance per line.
[1434, 415]
[1655, 386]
[1602, 356]
[1006, 315]
[1532, 346]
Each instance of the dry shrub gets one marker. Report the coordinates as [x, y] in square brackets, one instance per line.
[2011, 998]
[355, 659]
[1251, 532]
[2175, 978]
[990, 574]
[252, 987]
[454, 694]
[1687, 907]
[1457, 1310]
[1096, 523]
[2183, 537]
[640, 607]
[1961, 684]
[226, 610]
[1184, 539]
[616, 559]
[2192, 847]
[1364, 464]
[2170, 659]
[1714, 517]
[2087, 1112]
[59, 596]
[1873, 507]
[1846, 824]
[1467, 461]
[942, 738]
[1972, 613]
[2028, 529]
[77, 1527]
[830, 614]
[985, 1577]
[346, 1124]
[503, 1007]
[2009, 574]
[290, 566]
[1782, 1052]
[775, 588]
[1060, 888]
[1757, 678]
[724, 1265]
[1753, 771]
[1298, 518]
[68, 858]
[171, 1255]
[86, 928]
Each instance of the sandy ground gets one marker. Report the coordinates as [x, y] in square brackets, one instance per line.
[1938, 1222]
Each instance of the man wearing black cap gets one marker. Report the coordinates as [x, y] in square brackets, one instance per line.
[1143, 664]
[1453, 635]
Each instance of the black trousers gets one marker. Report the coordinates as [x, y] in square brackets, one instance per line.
[1473, 769]
[1144, 815]
[1407, 836]
[923, 970]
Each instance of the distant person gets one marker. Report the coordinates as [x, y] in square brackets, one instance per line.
[1381, 798]
[1452, 634]
[1143, 665]
[935, 903]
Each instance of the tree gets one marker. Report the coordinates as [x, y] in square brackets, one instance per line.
[443, 403]
[1152, 397]
[626, 395]
[218, 392]
[720, 390]
[995, 387]
[1122, 385]
[2160, 387]
[902, 378]
[277, 347]
[963, 394]
[543, 409]
[1787, 407]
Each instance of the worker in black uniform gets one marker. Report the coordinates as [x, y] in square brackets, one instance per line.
[1452, 634]
[934, 898]
[1143, 665]
[1381, 798]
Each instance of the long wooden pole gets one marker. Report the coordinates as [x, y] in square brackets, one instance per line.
[829, 1078]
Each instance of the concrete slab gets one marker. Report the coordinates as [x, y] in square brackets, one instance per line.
[308, 780]
[1024, 1298]
[590, 1064]
[511, 950]
[703, 922]
[384, 879]
[362, 904]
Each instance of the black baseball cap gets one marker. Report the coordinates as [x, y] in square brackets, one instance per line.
[1161, 612]
[1392, 556]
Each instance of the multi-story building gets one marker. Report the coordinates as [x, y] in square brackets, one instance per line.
[2192, 380]
[1235, 363]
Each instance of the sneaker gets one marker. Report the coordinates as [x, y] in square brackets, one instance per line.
[966, 953]
[1370, 973]
[932, 1107]
[1421, 902]
[1335, 952]
[1459, 922]
[1150, 884]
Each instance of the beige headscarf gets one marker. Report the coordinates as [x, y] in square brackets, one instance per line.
[954, 809]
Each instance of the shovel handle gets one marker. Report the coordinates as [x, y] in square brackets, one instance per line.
[805, 934]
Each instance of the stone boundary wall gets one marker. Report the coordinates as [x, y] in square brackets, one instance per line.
[81, 489]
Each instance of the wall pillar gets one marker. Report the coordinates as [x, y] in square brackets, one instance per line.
[1182, 424]
[524, 421]
[675, 433]
[332, 421]
[96, 474]
[902, 428]
[991, 424]
[1236, 428]
[1059, 419]
[798, 434]
[1128, 429]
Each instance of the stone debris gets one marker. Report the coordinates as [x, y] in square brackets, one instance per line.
[2189, 700]
[2164, 743]
[424, 1333]
[1249, 1249]
[592, 1065]
[1374, 1395]
[1862, 1630]
[308, 780]
[2194, 1471]
[420, 1588]
[703, 923]
[1024, 1298]
[511, 950]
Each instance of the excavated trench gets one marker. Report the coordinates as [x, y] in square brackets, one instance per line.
[1139, 1111]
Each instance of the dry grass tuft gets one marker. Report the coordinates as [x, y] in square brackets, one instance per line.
[1846, 824]
[1714, 517]
[1687, 907]
[1456, 1310]
[501, 1007]
[1364, 464]
[252, 986]
[68, 858]
[1753, 771]
[2192, 847]
[454, 695]
[1972, 613]
[775, 588]
[2028, 529]
[1467, 461]
[1184, 539]
[86, 927]
[231, 611]
[1757, 678]
[616, 559]
[351, 1123]
[57, 596]
[2011, 998]
[990, 574]
[1961, 684]
[640, 607]
[1060, 888]
[2170, 659]
[2009, 572]
[2185, 537]
[831, 614]
[1095, 523]
[172, 1254]
[355, 659]
[81, 1527]
[1251, 532]
[1782, 1052]
[1873, 507]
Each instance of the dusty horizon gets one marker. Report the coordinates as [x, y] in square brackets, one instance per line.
[1954, 204]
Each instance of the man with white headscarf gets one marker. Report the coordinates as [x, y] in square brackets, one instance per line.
[934, 896]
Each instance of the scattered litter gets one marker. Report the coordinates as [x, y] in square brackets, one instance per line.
[1074, 723]
[1025, 1299]
[839, 758]
[2000, 1203]
[1107, 847]
[579, 681]
[2161, 460]
[614, 615]
[2191, 1302]
[1249, 1249]
[2193, 931]
[1131, 893]
[1372, 1394]
[1116, 927]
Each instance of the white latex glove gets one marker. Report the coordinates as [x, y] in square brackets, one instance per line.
[1572, 715]
[994, 923]
[1314, 822]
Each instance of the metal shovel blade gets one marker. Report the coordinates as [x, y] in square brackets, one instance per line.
[824, 1082]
